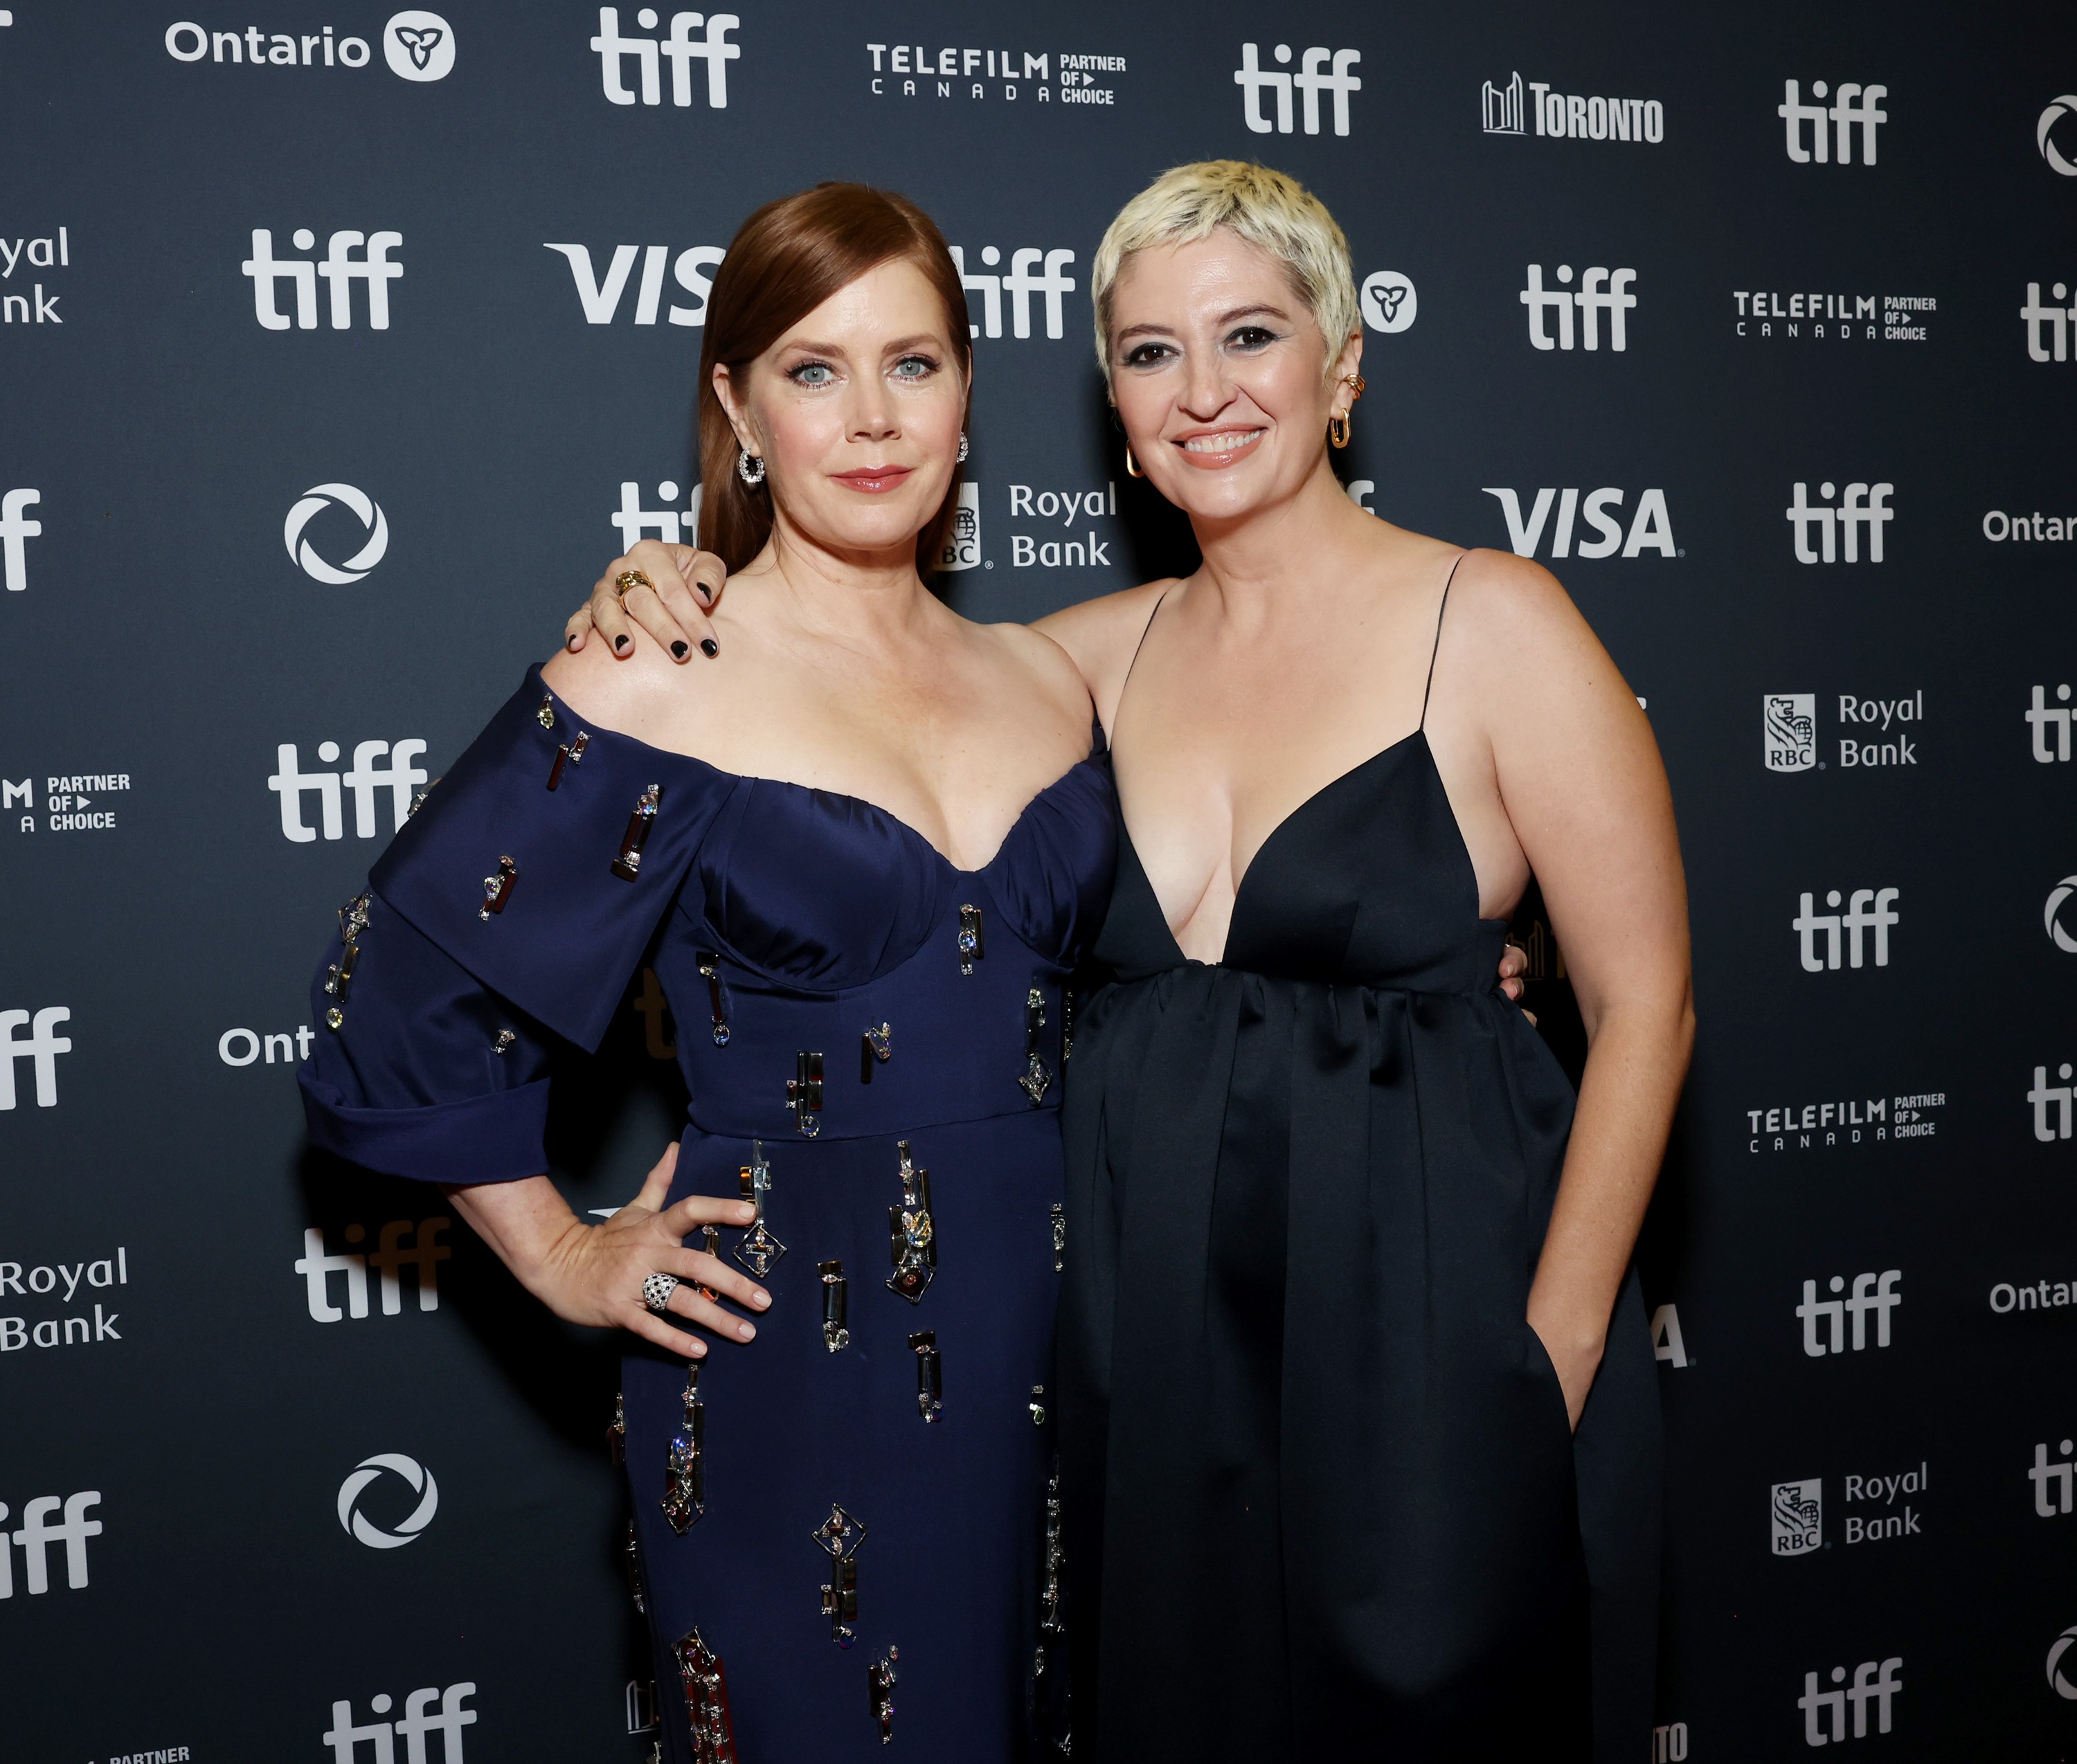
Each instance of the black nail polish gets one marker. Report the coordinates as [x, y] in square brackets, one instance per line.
[620, 642]
[680, 648]
[709, 648]
[573, 640]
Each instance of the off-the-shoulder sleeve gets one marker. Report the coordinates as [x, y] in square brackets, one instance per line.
[510, 910]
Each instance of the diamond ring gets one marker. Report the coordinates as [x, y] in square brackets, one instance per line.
[657, 1291]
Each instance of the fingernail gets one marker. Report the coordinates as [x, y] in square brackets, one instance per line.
[746, 1211]
[680, 648]
[573, 640]
[709, 648]
[745, 1331]
[761, 1299]
[620, 642]
[699, 1350]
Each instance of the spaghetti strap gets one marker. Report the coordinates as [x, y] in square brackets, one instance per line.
[1120, 705]
[1427, 690]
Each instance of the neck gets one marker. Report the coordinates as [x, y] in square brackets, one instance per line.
[1285, 551]
[866, 599]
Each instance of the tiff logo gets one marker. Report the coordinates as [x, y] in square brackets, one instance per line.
[668, 523]
[420, 1719]
[340, 269]
[2051, 1482]
[1845, 116]
[16, 529]
[290, 781]
[599, 295]
[38, 1534]
[42, 1049]
[1868, 910]
[1026, 278]
[1862, 505]
[2044, 1097]
[1874, 1682]
[424, 1254]
[1871, 1292]
[2059, 319]
[1650, 528]
[1312, 78]
[1601, 290]
[2041, 719]
[680, 49]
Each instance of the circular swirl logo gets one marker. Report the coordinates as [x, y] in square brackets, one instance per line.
[319, 498]
[368, 1472]
[2057, 109]
[2062, 1685]
[2051, 919]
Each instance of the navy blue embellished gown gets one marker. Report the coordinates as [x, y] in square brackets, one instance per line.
[841, 992]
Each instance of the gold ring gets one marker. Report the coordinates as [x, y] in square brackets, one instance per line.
[627, 579]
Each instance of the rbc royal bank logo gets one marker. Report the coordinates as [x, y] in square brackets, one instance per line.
[963, 543]
[1788, 726]
[370, 1471]
[1319, 70]
[374, 527]
[1796, 1511]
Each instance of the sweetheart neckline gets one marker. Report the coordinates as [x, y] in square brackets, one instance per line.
[1277, 832]
[887, 815]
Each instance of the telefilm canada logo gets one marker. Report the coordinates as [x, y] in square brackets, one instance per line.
[1081, 77]
[73, 802]
[1566, 116]
[1817, 313]
[1843, 1121]
[417, 46]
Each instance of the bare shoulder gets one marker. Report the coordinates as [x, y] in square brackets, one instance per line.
[1513, 633]
[634, 697]
[1513, 607]
[1101, 635]
[1031, 655]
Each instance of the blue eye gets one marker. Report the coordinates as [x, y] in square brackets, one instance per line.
[915, 368]
[813, 373]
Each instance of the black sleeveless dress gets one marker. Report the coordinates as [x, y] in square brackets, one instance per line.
[1321, 1497]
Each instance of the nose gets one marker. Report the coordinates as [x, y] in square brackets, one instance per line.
[1205, 390]
[870, 415]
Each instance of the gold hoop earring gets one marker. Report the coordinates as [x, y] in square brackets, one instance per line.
[1338, 428]
[1132, 465]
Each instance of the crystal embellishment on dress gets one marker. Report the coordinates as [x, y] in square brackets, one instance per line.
[710, 965]
[840, 1602]
[570, 754]
[684, 1461]
[712, 1246]
[759, 1249]
[912, 1238]
[545, 714]
[616, 1430]
[971, 949]
[339, 975]
[840, 1533]
[804, 1094]
[1037, 1406]
[506, 1039]
[1038, 1077]
[706, 1700]
[633, 1558]
[836, 1306]
[879, 1693]
[876, 1046]
[1051, 1627]
[1059, 1238]
[628, 865]
[498, 889]
[930, 1375]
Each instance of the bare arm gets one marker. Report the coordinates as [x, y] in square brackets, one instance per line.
[1580, 779]
[593, 1274]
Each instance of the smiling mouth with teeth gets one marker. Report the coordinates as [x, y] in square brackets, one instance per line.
[1229, 442]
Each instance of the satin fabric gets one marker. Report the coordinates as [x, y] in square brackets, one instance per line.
[1322, 1494]
[822, 916]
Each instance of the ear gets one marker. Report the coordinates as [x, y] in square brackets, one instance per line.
[1350, 359]
[737, 408]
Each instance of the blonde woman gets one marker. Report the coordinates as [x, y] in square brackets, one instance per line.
[1359, 1425]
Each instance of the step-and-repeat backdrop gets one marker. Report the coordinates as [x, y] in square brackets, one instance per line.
[338, 349]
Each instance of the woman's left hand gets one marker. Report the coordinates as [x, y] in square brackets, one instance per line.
[1514, 964]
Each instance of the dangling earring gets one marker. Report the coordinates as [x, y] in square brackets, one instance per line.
[750, 466]
[960, 457]
[1337, 425]
[1131, 464]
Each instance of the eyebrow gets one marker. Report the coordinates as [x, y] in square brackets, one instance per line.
[1225, 317]
[900, 346]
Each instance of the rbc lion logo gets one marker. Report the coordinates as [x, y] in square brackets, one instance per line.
[1797, 1511]
[1789, 722]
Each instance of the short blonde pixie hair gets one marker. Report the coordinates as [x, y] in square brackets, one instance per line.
[1274, 213]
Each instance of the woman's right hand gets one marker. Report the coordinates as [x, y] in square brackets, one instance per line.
[686, 585]
[593, 1273]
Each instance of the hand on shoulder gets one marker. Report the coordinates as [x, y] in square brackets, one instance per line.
[631, 694]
